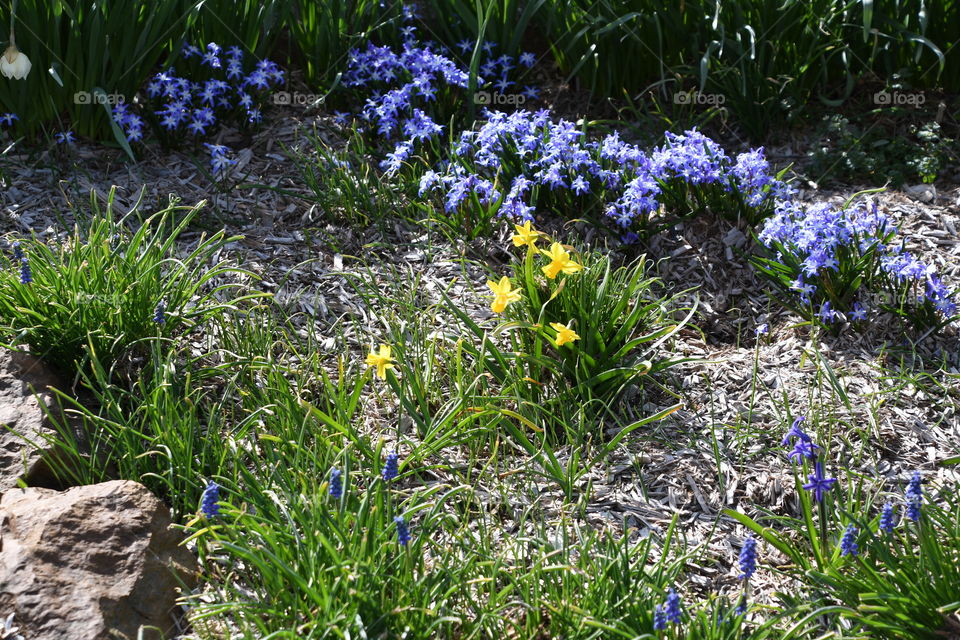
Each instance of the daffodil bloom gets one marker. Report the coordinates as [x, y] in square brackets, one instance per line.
[14, 65]
[526, 235]
[382, 361]
[503, 294]
[559, 261]
[564, 333]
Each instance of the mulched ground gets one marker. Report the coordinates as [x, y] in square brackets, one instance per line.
[721, 451]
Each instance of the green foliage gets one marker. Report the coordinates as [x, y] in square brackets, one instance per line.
[904, 584]
[95, 295]
[769, 61]
[254, 25]
[505, 22]
[346, 187]
[877, 155]
[83, 53]
[622, 324]
[323, 32]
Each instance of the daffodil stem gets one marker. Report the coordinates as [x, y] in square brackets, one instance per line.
[13, 17]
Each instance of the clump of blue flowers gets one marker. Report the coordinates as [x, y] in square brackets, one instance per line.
[26, 275]
[887, 522]
[672, 607]
[748, 558]
[412, 87]
[518, 162]
[220, 160]
[840, 264]
[217, 87]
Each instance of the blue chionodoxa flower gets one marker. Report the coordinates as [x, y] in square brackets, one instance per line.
[818, 484]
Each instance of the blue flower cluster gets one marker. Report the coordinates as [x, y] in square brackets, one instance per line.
[887, 522]
[804, 448]
[830, 247]
[530, 154]
[220, 159]
[404, 83]
[26, 276]
[7, 119]
[184, 105]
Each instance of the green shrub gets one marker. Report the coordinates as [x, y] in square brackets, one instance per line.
[110, 285]
[86, 55]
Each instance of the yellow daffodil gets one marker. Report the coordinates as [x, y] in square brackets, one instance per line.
[559, 261]
[526, 235]
[503, 294]
[564, 333]
[382, 361]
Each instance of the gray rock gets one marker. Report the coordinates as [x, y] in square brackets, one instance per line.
[91, 562]
[23, 379]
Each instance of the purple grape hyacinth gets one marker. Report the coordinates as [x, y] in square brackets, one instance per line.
[887, 523]
[748, 557]
[672, 607]
[336, 484]
[848, 543]
[403, 531]
[209, 500]
[391, 466]
[914, 495]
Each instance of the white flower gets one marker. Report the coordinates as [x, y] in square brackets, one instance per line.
[13, 64]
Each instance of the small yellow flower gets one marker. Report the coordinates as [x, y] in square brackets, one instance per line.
[382, 361]
[503, 294]
[526, 235]
[559, 261]
[564, 333]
